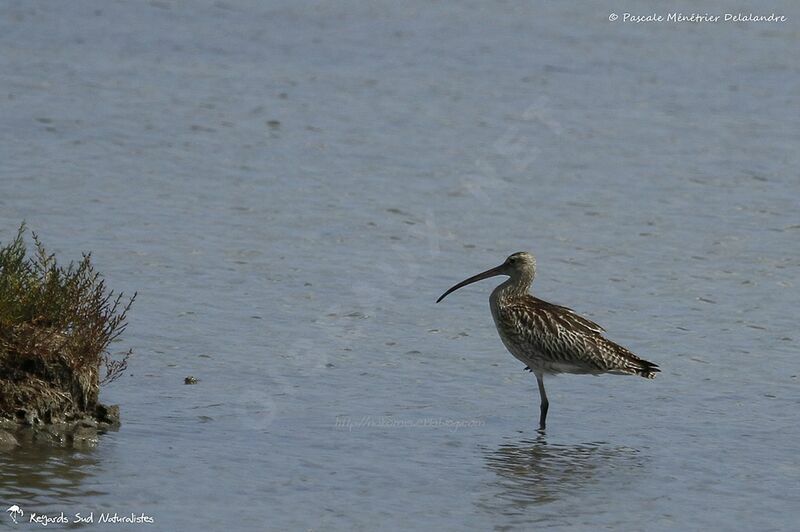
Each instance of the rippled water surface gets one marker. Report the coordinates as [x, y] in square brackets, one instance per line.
[290, 185]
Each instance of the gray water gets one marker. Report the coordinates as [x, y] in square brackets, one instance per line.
[290, 185]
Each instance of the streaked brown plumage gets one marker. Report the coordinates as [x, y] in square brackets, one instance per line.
[548, 338]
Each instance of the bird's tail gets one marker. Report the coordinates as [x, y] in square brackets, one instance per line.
[648, 370]
[636, 366]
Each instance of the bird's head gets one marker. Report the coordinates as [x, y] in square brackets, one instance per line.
[520, 265]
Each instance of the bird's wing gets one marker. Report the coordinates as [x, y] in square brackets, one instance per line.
[568, 315]
[565, 338]
[548, 332]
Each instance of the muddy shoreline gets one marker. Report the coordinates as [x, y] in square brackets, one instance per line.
[76, 430]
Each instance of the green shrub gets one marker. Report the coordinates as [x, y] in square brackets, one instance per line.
[56, 325]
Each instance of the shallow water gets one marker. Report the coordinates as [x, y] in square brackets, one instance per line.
[290, 186]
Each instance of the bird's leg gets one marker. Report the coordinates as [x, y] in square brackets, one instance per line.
[545, 403]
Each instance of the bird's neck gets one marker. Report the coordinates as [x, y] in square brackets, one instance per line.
[513, 287]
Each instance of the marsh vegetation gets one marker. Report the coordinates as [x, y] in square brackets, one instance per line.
[56, 326]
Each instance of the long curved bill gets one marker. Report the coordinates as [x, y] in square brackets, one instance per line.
[474, 279]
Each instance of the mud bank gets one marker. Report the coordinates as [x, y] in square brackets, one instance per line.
[56, 326]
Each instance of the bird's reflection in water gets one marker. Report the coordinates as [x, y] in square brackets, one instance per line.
[534, 472]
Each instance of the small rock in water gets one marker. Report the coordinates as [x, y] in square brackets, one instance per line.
[190, 380]
[7, 441]
[107, 414]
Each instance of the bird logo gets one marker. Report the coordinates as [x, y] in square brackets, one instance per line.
[15, 511]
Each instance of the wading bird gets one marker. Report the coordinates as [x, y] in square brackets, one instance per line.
[548, 338]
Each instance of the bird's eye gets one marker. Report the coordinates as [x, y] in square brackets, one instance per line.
[512, 259]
